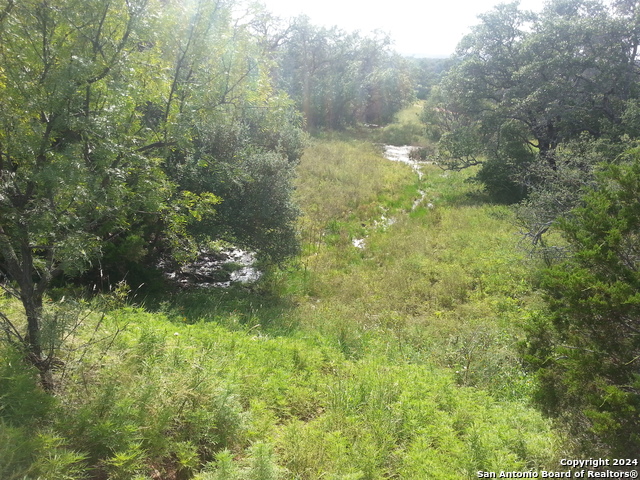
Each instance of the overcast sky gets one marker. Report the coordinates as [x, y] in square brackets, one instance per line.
[426, 28]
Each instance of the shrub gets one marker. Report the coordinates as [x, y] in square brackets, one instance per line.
[588, 361]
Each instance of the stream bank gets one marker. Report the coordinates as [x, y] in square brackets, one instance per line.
[400, 154]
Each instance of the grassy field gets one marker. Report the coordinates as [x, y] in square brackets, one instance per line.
[395, 360]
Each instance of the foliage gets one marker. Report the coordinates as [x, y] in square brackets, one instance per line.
[428, 72]
[588, 363]
[554, 192]
[396, 360]
[208, 390]
[426, 280]
[340, 79]
[407, 129]
[25, 447]
[526, 83]
[117, 119]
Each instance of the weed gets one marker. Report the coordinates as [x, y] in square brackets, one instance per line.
[396, 360]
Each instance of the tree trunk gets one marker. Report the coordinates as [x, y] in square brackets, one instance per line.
[31, 294]
[20, 269]
[546, 150]
[32, 303]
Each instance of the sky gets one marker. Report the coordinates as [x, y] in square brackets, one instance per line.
[421, 28]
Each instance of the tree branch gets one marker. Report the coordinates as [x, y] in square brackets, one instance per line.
[7, 10]
[152, 146]
[10, 330]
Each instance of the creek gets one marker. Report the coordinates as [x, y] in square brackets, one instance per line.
[400, 154]
[218, 269]
[230, 266]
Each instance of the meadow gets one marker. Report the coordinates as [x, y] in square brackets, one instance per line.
[394, 356]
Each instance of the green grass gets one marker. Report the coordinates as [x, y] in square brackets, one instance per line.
[446, 285]
[340, 181]
[411, 114]
[406, 130]
[397, 360]
[171, 396]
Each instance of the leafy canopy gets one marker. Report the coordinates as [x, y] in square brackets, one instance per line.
[126, 125]
[526, 83]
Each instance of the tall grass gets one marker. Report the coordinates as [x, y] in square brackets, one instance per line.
[340, 181]
[396, 360]
[172, 398]
[445, 283]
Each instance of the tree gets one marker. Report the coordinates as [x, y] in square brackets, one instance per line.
[70, 157]
[555, 191]
[588, 358]
[340, 79]
[223, 126]
[109, 111]
[541, 80]
[428, 72]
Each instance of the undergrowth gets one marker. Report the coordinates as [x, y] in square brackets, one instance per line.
[393, 357]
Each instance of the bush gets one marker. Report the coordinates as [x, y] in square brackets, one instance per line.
[22, 401]
[406, 134]
[499, 181]
[588, 363]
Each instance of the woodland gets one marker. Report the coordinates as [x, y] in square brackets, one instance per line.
[472, 309]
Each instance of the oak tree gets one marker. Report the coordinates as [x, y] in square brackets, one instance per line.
[530, 82]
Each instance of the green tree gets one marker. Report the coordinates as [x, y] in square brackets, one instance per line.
[223, 126]
[116, 116]
[70, 155]
[428, 72]
[340, 79]
[539, 80]
[588, 357]
[555, 191]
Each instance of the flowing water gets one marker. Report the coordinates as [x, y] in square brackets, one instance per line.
[217, 269]
[232, 266]
[399, 154]
[403, 154]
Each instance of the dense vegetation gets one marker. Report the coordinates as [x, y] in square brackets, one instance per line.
[134, 132]
[341, 79]
[130, 131]
[399, 359]
[527, 84]
[399, 329]
[546, 105]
